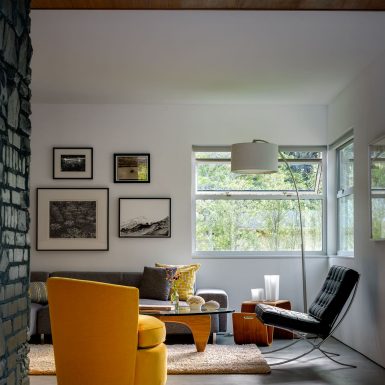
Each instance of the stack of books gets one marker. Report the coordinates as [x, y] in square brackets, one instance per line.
[155, 308]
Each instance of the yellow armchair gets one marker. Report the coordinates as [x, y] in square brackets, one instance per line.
[100, 339]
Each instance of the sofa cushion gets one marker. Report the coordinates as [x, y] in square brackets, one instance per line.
[43, 322]
[98, 276]
[151, 331]
[132, 279]
[40, 276]
[34, 308]
[38, 292]
[186, 282]
[154, 284]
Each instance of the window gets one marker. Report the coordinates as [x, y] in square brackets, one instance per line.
[345, 198]
[377, 189]
[257, 214]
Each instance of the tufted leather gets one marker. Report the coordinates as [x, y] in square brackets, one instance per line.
[323, 312]
[288, 319]
[335, 291]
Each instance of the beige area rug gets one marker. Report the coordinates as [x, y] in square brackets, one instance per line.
[182, 359]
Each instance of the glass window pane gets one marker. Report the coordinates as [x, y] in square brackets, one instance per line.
[302, 154]
[378, 175]
[346, 166]
[378, 215]
[377, 155]
[257, 225]
[345, 223]
[217, 176]
[213, 155]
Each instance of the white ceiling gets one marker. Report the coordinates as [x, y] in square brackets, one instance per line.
[215, 57]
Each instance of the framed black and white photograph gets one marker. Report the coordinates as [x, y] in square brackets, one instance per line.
[132, 168]
[72, 218]
[72, 163]
[144, 217]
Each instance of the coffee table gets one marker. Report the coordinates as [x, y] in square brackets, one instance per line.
[198, 321]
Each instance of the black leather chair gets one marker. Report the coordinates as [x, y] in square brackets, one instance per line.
[324, 316]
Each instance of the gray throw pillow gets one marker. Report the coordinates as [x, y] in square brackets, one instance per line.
[154, 284]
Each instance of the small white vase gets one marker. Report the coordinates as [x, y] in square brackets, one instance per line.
[272, 287]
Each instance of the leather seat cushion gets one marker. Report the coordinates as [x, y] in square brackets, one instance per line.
[151, 331]
[289, 319]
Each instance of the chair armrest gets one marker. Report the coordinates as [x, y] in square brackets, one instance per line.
[218, 295]
[222, 298]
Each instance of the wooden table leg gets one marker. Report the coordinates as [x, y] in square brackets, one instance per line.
[200, 326]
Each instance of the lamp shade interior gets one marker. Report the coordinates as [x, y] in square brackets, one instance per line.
[254, 158]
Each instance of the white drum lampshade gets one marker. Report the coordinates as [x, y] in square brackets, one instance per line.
[257, 157]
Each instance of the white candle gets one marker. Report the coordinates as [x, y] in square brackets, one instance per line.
[257, 294]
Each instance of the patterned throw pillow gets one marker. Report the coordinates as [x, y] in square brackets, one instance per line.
[38, 292]
[186, 282]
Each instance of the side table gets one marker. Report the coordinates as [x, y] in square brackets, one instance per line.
[248, 329]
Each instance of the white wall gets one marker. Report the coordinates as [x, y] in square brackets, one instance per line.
[168, 133]
[361, 106]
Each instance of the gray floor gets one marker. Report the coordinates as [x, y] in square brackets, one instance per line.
[310, 370]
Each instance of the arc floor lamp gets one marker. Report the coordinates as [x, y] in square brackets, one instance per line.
[261, 157]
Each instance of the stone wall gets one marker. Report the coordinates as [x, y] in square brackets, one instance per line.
[15, 129]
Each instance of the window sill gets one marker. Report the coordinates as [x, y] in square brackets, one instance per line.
[342, 255]
[224, 255]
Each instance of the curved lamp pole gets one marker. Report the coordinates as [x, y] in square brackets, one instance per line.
[261, 157]
[304, 295]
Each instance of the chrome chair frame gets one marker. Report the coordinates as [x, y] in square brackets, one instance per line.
[315, 345]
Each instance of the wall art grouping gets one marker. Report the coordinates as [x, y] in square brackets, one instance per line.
[77, 219]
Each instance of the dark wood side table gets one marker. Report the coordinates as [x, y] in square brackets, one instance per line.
[248, 329]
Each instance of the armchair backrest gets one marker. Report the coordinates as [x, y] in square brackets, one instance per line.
[94, 331]
[334, 293]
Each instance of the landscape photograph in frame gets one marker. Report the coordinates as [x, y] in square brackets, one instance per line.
[132, 168]
[145, 217]
[72, 163]
[72, 218]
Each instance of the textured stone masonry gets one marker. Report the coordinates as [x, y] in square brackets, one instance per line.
[15, 130]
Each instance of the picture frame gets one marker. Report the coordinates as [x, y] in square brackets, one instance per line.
[73, 163]
[132, 168]
[144, 217]
[75, 219]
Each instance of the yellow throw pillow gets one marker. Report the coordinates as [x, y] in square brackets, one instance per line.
[186, 282]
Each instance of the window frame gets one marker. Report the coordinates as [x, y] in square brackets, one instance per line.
[343, 193]
[264, 195]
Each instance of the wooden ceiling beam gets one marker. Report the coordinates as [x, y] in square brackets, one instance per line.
[278, 5]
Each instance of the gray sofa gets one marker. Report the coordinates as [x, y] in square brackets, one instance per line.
[40, 321]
